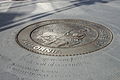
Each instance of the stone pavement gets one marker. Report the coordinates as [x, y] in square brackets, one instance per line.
[17, 63]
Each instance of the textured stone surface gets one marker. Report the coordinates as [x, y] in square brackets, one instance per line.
[20, 64]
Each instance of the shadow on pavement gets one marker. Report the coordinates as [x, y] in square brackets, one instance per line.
[7, 18]
[88, 2]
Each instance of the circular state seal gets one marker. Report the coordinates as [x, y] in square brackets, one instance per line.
[64, 37]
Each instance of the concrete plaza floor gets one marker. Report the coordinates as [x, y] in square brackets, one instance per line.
[17, 63]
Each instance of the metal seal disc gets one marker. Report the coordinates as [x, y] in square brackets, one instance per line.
[64, 37]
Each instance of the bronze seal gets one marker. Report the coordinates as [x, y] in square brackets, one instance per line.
[64, 37]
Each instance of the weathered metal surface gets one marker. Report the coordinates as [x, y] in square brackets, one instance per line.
[64, 37]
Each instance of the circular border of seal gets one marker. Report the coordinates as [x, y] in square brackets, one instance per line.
[27, 43]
